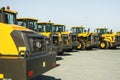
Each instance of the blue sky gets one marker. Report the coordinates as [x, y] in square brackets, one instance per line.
[89, 13]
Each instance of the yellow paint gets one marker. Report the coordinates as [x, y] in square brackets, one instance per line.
[6, 41]
[1, 76]
[79, 46]
[67, 42]
[46, 33]
[8, 46]
[27, 18]
[107, 36]
[78, 26]
[44, 23]
[22, 49]
[44, 64]
[84, 34]
[102, 44]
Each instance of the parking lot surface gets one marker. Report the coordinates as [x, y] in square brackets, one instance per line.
[86, 65]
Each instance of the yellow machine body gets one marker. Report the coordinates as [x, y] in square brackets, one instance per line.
[8, 46]
[29, 23]
[47, 29]
[45, 33]
[21, 50]
[108, 38]
[87, 39]
[64, 36]
[81, 32]
[118, 33]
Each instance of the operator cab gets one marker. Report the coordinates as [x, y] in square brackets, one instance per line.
[44, 27]
[47, 29]
[102, 30]
[64, 36]
[8, 16]
[80, 29]
[28, 23]
[59, 28]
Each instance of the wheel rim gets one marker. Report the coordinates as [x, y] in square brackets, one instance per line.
[102, 44]
[79, 47]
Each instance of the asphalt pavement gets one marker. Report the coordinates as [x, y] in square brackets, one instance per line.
[93, 64]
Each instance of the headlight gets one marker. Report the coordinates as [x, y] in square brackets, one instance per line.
[38, 44]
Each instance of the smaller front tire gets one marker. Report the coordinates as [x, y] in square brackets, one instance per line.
[81, 45]
[104, 45]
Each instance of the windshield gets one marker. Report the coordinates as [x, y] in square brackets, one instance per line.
[59, 28]
[78, 30]
[21, 23]
[102, 31]
[44, 28]
[32, 25]
[11, 18]
[28, 24]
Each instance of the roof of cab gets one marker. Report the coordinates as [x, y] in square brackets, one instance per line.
[78, 27]
[9, 11]
[45, 23]
[59, 25]
[102, 28]
[26, 18]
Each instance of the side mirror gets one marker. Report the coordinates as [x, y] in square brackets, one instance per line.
[111, 31]
[85, 31]
[88, 29]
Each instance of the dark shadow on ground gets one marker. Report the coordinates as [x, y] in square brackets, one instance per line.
[66, 54]
[75, 50]
[57, 65]
[59, 58]
[94, 49]
[44, 77]
[117, 48]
